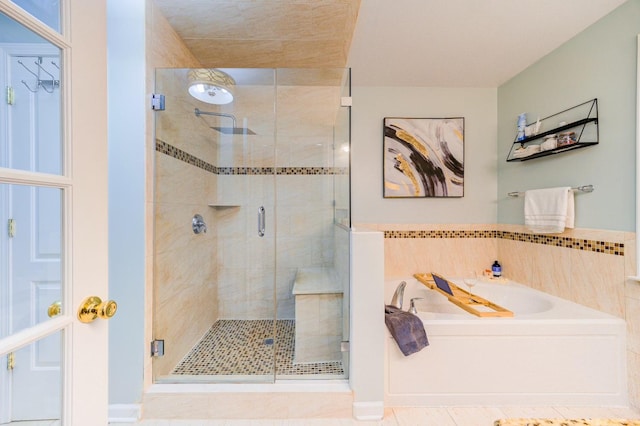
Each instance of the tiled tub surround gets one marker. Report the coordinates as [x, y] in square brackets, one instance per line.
[589, 267]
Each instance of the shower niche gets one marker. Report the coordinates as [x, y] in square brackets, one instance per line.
[269, 174]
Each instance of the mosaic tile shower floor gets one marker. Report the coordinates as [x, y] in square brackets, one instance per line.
[244, 347]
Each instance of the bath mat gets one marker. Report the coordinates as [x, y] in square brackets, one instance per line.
[566, 422]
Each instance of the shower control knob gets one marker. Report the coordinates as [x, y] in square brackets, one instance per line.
[198, 225]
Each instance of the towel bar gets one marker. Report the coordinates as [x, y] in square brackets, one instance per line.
[583, 188]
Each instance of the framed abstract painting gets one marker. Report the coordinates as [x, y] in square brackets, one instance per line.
[423, 157]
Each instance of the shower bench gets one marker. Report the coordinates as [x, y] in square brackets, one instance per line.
[318, 300]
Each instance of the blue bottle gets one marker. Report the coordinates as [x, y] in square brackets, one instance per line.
[496, 269]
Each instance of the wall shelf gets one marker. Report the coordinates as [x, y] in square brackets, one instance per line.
[573, 128]
[221, 204]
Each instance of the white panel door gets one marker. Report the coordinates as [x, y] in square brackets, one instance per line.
[35, 244]
[53, 207]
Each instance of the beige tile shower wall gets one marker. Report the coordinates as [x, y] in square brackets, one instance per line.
[178, 124]
[304, 228]
[306, 116]
[185, 304]
[245, 261]
[299, 210]
[302, 221]
[164, 49]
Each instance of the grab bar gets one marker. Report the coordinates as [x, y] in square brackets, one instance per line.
[583, 188]
[261, 221]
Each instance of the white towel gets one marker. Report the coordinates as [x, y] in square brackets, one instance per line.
[549, 210]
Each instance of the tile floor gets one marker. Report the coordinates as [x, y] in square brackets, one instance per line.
[433, 416]
[246, 347]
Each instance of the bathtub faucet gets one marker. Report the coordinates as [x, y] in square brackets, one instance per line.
[412, 306]
[396, 300]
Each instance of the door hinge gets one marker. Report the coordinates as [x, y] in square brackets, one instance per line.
[11, 361]
[345, 346]
[157, 347]
[157, 102]
[11, 95]
[11, 228]
[346, 101]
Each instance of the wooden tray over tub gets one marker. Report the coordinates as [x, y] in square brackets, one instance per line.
[469, 302]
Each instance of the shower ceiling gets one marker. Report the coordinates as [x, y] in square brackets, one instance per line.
[264, 33]
[444, 43]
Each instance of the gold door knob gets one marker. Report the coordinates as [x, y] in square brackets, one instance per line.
[54, 309]
[93, 307]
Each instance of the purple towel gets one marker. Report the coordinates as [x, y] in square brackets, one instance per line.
[407, 330]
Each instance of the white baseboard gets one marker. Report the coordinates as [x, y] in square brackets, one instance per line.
[124, 413]
[368, 410]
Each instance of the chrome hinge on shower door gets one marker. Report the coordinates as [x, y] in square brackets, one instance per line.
[157, 102]
[157, 347]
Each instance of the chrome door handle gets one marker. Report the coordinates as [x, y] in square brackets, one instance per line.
[261, 221]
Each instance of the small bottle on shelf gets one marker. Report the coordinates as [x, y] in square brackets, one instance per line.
[496, 269]
[522, 123]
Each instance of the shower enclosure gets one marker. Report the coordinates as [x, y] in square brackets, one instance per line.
[252, 217]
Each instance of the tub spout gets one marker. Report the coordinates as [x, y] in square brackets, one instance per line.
[398, 295]
[412, 306]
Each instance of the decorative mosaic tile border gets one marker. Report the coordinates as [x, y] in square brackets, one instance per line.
[440, 234]
[568, 242]
[551, 240]
[181, 155]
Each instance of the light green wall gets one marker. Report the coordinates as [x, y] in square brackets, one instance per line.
[598, 63]
[478, 106]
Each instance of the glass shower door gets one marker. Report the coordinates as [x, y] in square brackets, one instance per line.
[214, 237]
[263, 294]
[312, 247]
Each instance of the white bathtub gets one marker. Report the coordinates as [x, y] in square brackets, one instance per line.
[552, 352]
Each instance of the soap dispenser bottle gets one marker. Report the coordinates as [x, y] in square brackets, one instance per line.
[496, 269]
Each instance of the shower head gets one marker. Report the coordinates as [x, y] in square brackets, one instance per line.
[234, 130]
[226, 130]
